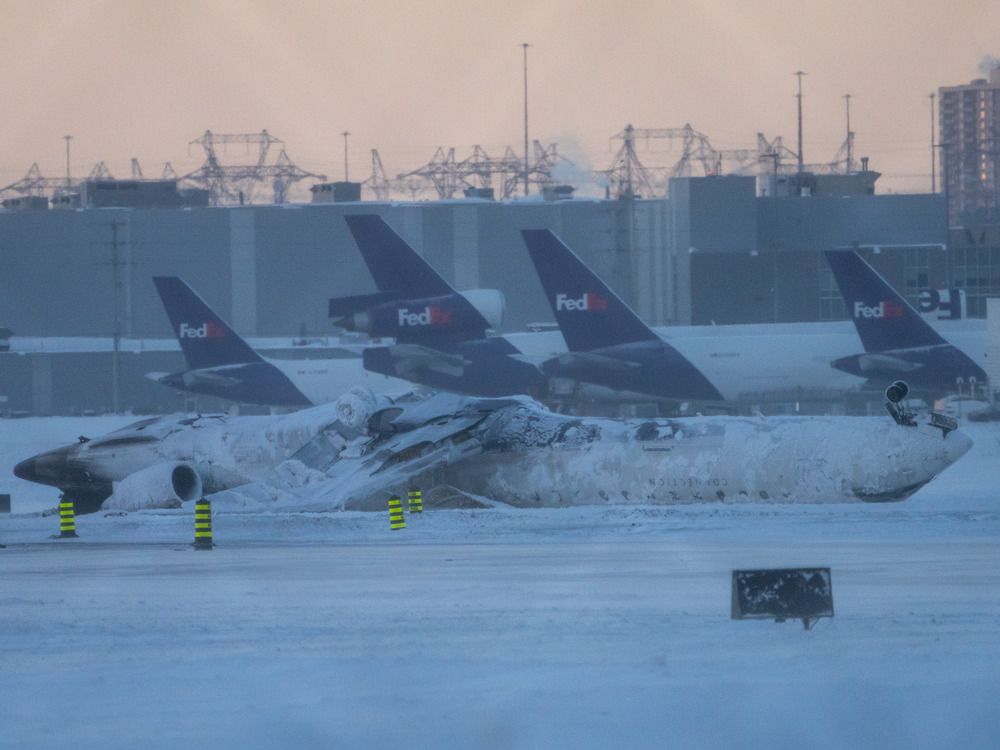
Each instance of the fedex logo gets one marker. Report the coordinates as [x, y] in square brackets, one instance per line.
[207, 330]
[589, 301]
[885, 309]
[432, 315]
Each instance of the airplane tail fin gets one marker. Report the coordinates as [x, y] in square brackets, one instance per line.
[394, 265]
[883, 318]
[205, 338]
[590, 315]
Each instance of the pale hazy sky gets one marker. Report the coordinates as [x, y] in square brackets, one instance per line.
[143, 78]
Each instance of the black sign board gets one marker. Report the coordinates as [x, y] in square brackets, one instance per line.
[783, 594]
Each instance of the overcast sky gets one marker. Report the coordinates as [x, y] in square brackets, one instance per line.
[142, 78]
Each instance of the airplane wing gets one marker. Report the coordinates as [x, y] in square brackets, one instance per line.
[209, 378]
[352, 470]
[589, 360]
[412, 358]
[886, 363]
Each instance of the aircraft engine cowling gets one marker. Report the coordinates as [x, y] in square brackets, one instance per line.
[490, 303]
[164, 485]
[356, 407]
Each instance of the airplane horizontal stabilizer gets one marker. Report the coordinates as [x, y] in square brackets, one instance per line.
[341, 306]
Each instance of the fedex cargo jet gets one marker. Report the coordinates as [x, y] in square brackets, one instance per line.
[440, 333]
[220, 363]
[610, 347]
[413, 302]
[897, 341]
[612, 354]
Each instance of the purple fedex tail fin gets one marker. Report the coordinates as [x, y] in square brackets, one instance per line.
[590, 315]
[205, 338]
[884, 319]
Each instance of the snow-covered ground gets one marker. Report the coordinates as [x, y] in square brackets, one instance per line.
[578, 627]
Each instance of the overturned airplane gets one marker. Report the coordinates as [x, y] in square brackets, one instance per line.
[352, 453]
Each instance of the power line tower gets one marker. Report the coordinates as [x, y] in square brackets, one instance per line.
[501, 173]
[627, 176]
[241, 183]
[441, 172]
[446, 174]
[100, 172]
[547, 161]
[378, 183]
[34, 184]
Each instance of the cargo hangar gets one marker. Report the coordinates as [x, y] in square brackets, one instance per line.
[714, 251]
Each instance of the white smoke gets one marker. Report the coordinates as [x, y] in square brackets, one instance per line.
[988, 64]
[574, 167]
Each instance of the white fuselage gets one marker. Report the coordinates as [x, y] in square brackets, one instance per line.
[723, 459]
[323, 381]
[743, 362]
[226, 451]
[747, 362]
[522, 454]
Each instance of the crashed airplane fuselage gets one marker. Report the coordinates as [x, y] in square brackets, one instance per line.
[798, 460]
[353, 453]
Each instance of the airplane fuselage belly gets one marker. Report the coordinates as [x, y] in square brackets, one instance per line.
[786, 461]
[323, 381]
[742, 367]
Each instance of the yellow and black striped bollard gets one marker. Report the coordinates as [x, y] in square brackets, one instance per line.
[396, 521]
[202, 525]
[416, 500]
[67, 519]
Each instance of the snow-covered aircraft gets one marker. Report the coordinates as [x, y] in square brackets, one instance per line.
[220, 363]
[352, 453]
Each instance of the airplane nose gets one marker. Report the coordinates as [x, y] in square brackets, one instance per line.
[958, 444]
[45, 468]
[26, 470]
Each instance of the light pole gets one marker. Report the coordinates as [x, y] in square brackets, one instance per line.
[345, 134]
[67, 138]
[933, 155]
[799, 74]
[116, 334]
[850, 136]
[524, 46]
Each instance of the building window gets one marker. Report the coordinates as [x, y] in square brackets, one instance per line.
[831, 302]
[916, 273]
[977, 271]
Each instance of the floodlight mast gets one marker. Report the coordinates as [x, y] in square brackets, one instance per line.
[524, 46]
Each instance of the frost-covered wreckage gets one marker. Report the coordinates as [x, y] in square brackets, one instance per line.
[353, 453]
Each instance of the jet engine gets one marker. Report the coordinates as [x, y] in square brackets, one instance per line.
[490, 303]
[357, 407]
[164, 485]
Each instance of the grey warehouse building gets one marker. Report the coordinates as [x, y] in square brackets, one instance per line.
[714, 251]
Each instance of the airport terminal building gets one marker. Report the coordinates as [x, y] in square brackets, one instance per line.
[718, 250]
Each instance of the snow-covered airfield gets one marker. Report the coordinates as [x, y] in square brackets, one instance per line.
[499, 627]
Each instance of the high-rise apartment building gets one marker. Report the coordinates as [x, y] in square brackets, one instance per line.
[969, 120]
